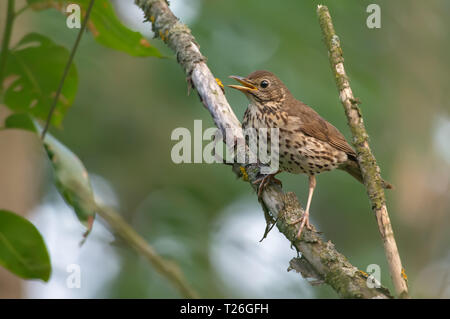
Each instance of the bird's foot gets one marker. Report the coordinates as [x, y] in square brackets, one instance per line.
[304, 221]
[264, 181]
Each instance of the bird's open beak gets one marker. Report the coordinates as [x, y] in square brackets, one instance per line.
[245, 87]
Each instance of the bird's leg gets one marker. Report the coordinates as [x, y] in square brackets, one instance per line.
[305, 218]
[264, 181]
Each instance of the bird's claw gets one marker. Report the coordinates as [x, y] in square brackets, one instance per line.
[264, 181]
[304, 222]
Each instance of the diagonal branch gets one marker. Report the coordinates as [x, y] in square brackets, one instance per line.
[66, 70]
[165, 267]
[122, 229]
[370, 169]
[332, 267]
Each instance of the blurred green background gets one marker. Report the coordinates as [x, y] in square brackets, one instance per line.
[199, 215]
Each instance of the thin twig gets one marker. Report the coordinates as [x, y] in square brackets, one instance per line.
[370, 169]
[332, 267]
[67, 68]
[5, 41]
[22, 10]
[166, 268]
[122, 229]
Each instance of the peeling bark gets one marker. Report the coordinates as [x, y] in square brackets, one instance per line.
[327, 263]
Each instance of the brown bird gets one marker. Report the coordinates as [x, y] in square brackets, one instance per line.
[308, 144]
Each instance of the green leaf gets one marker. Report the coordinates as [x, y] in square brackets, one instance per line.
[71, 180]
[20, 121]
[71, 177]
[105, 26]
[22, 249]
[33, 73]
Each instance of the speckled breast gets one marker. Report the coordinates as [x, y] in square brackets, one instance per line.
[298, 153]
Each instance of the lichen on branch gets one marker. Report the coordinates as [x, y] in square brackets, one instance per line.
[333, 267]
[369, 167]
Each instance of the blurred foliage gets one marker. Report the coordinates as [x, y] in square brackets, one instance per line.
[105, 26]
[71, 180]
[35, 66]
[126, 108]
[22, 249]
[34, 69]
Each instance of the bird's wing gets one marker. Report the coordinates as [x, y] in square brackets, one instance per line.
[305, 119]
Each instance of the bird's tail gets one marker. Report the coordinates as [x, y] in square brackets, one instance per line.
[351, 166]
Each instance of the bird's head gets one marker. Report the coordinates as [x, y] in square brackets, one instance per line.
[261, 86]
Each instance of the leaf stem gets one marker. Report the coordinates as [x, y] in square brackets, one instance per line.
[21, 10]
[67, 68]
[6, 38]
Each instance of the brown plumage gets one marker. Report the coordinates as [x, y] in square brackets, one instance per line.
[312, 124]
[308, 143]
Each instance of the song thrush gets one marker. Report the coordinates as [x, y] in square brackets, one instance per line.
[308, 144]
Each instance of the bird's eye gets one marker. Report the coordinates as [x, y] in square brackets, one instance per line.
[264, 84]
